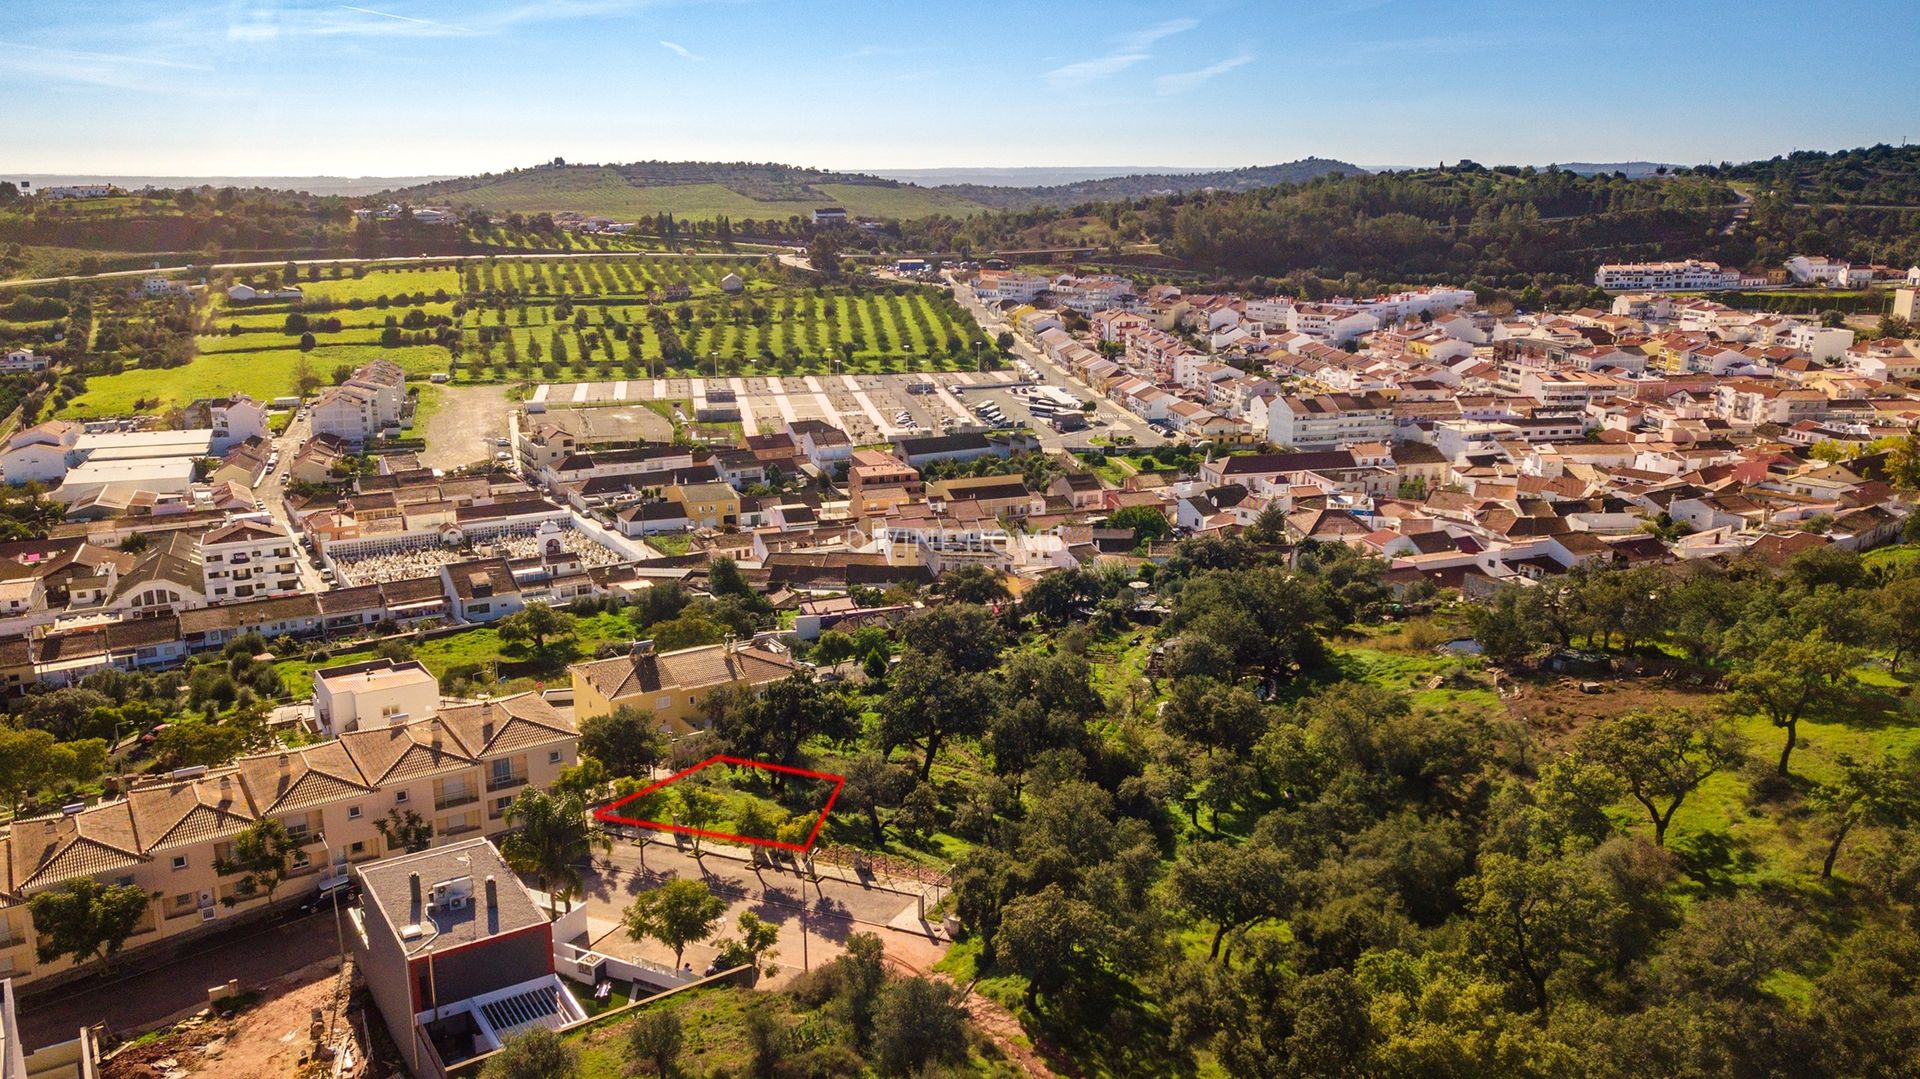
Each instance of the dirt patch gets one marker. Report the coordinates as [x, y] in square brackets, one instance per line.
[463, 430]
[1556, 709]
[267, 1039]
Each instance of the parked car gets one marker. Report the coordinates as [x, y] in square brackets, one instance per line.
[345, 891]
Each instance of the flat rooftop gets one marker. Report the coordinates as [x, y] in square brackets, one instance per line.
[449, 924]
[373, 675]
[118, 445]
[607, 424]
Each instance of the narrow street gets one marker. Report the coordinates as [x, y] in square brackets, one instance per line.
[1118, 420]
[273, 496]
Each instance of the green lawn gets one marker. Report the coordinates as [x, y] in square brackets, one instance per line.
[480, 646]
[260, 365]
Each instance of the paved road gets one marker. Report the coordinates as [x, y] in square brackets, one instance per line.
[1118, 420]
[253, 956]
[273, 497]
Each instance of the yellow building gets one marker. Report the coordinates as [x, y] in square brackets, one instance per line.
[456, 772]
[707, 505]
[671, 685]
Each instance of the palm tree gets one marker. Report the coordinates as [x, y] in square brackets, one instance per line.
[551, 839]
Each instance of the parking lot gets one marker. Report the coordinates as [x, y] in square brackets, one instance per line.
[870, 408]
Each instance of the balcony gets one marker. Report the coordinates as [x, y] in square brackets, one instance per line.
[456, 799]
[500, 783]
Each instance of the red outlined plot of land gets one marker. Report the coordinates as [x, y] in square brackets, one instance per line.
[606, 813]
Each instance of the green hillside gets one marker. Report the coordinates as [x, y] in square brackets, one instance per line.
[692, 190]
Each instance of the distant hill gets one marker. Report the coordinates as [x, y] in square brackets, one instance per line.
[1151, 184]
[750, 190]
[688, 189]
[1634, 170]
[1024, 175]
[311, 185]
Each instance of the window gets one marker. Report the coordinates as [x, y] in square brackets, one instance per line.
[183, 901]
[353, 812]
[399, 798]
[502, 771]
[179, 861]
[553, 756]
[356, 848]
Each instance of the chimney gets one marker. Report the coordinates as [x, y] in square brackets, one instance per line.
[413, 890]
[493, 906]
[286, 765]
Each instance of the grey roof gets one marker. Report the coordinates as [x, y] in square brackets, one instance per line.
[387, 884]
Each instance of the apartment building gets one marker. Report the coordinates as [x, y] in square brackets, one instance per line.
[999, 286]
[1691, 275]
[248, 559]
[1335, 419]
[454, 774]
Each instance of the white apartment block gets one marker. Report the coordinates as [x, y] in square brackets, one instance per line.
[1334, 419]
[1089, 294]
[249, 559]
[998, 286]
[1690, 275]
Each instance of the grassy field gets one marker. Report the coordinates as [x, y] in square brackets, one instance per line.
[261, 366]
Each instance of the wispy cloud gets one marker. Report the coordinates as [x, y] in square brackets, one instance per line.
[1127, 50]
[399, 18]
[266, 20]
[681, 50]
[123, 70]
[1181, 82]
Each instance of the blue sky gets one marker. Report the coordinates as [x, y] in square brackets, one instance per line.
[390, 87]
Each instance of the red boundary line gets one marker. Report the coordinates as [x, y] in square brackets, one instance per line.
[606, 814]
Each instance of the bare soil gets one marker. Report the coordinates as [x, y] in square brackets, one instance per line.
[1556, 709]
[269, 1039]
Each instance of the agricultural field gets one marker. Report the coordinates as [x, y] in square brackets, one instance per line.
[492, 320]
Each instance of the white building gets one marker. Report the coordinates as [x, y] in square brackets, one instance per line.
[998, 286]
[1335, 419]
[1823, 343]
[349, 413]
[233, 420]
[21, 360]
[829, 215]
[378, 693]
[1826, 272]
[249, 559]
[1691, 274]
[39, 453]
